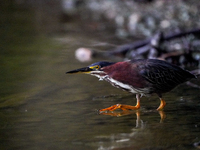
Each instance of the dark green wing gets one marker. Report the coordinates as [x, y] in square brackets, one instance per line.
[164, 76]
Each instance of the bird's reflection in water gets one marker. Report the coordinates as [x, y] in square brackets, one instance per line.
[120, 140]
[137, 112]
[132, 139]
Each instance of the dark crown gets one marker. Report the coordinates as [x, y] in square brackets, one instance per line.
[102, 64]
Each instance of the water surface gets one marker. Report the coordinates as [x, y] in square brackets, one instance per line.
[43, 108]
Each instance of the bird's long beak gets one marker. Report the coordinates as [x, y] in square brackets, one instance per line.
[81, 70]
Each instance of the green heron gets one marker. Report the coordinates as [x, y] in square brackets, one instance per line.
[141, 77]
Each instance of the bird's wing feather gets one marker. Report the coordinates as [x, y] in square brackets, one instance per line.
[163, 75]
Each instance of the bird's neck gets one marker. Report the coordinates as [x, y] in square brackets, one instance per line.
[99, 74]
[115, 83]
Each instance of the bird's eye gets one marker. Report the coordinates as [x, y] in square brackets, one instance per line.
[95, 67]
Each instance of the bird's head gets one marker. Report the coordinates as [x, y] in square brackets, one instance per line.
[96, 69]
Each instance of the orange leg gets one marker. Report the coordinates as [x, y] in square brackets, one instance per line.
[162, 104]
[123, 107]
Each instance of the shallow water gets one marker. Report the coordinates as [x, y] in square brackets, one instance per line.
[43, 108]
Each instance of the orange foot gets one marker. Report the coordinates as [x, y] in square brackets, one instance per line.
[120, 106]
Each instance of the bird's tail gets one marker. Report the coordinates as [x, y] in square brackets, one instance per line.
[196, 72]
